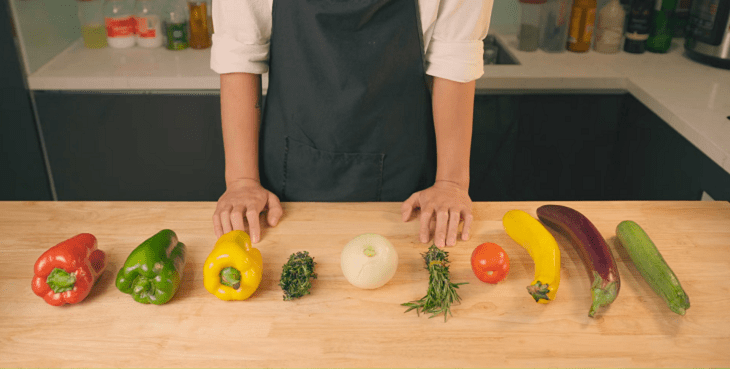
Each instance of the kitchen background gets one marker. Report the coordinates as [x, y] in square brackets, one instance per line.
[144, 125]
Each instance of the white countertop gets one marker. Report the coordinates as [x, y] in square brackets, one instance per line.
[692, 98]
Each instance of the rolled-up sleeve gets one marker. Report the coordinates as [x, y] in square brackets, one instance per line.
[455, 48]
[241, 37]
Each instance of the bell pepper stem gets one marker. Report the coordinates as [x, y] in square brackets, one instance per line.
[142, 286]
[231, 277]
[61, 281]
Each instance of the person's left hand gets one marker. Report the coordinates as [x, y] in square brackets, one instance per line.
[449, 203]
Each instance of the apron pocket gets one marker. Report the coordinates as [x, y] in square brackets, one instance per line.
[315, 175]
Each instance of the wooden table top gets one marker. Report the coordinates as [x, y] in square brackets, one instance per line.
[339, 325]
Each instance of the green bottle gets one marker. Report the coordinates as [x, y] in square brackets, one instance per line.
[660, 37]
[176, 24]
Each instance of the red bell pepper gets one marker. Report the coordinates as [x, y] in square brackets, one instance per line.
[65, 273]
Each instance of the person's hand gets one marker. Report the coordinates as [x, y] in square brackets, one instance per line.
[449, 203]
[245, 197]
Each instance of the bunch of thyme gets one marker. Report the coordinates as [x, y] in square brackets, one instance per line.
[296, 275]
[441, 292]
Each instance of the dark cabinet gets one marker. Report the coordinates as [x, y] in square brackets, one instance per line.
[542, 147]
[23, 171]
[655, 162]
[136, 147]
[539, 147]
[493, 147]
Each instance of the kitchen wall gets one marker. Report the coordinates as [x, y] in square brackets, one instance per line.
[44, 28]
[47, 27]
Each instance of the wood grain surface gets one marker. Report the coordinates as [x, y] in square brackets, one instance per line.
[339, 325]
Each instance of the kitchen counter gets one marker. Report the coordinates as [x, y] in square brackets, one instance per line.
[692, 98]
[339, 325]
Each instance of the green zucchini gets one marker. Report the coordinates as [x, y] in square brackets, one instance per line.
[651, 265]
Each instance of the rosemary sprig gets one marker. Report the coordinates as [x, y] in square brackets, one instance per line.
[441, 292]
[296, 275]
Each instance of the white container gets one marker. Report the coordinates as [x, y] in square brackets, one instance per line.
[149, 26]
[120, 24]
[609, 28]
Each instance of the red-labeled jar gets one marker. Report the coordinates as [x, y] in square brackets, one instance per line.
[120, 24]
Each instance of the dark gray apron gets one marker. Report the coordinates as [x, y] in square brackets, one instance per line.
[347, 114]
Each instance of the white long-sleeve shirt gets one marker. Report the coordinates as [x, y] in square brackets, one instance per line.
[453, 34]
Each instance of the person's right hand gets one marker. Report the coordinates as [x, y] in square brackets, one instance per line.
[245, 197]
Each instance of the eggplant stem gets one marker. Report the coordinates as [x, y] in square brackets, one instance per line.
[601, 296]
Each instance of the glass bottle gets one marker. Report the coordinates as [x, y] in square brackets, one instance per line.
[120, 24]
[199, 32]
[582, 20]
[660, 36]
[91, 18]
[176, 24]
[529, 36]
[638, 26]
[609, 28]
[149, 27]
[681, 18]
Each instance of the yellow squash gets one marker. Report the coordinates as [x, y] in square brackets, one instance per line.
[234, 268]
[543, 249]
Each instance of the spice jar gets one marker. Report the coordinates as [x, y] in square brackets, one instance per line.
[529, 36]
[199, 32]
[91, 18]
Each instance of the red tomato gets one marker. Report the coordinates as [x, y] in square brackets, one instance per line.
[489, 262]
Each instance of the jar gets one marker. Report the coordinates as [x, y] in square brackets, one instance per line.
[91, 18]
[149, 27]
[609, 28]
[199, 28]
[529, 36]
[176, 24]
[554, 25]
[120, 24]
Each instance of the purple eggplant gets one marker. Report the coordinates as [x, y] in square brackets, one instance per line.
[593, 249]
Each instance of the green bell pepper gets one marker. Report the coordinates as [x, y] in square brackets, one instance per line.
[153, 271]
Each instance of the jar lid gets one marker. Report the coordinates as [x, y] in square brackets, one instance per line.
[533, 1]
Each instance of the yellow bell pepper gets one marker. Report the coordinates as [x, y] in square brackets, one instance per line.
[233, 270]
[529, 233]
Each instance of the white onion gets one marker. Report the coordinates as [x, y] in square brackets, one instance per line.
[369, 261]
